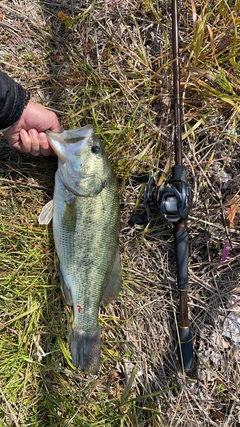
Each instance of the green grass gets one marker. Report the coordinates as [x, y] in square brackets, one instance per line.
[110, 66]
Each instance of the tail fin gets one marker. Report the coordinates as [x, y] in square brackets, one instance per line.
[85, 349]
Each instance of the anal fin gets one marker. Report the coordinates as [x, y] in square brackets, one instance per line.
[66, 290]
[113, 286]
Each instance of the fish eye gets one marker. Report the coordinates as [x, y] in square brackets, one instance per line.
[95, 149]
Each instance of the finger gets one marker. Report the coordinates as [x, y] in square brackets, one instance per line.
[45, 148]
[24, 144]
[55, 126]
[35, 143]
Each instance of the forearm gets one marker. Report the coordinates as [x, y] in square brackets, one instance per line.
[12, 101]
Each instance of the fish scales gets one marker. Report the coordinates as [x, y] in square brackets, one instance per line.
[86, 234]
[87, 240]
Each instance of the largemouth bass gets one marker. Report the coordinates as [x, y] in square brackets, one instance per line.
[86, 218]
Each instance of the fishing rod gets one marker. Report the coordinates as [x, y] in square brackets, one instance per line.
[172, 199]
[173, 202]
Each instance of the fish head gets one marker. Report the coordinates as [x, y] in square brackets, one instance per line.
[83, 165]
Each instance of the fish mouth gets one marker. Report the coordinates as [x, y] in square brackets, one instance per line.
[78, 134]
[69, 138]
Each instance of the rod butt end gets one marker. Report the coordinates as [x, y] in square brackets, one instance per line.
[186, 348]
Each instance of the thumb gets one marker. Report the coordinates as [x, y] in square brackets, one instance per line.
[55, 125]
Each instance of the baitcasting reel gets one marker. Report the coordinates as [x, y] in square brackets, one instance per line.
[174, 196]
[172, 199]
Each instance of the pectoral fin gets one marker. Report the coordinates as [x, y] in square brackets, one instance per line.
[46, 213]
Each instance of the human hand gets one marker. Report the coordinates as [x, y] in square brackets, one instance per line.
[27, 134]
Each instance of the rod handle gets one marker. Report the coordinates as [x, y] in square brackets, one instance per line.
[186, 348]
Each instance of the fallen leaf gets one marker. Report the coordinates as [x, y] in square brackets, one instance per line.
[232, 211]
[63, 17]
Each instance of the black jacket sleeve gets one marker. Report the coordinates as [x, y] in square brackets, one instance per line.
[12, 101]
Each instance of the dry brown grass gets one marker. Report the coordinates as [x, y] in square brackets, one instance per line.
[110, 66]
